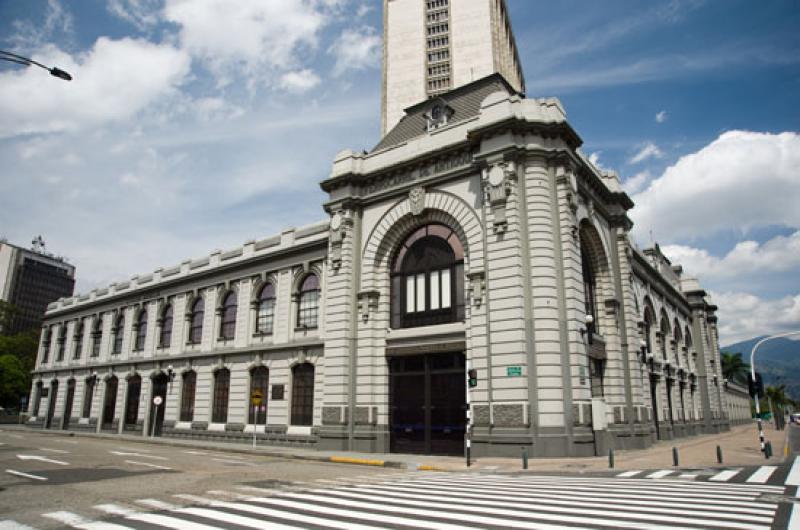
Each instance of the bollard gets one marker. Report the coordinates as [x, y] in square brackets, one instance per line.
[675, 456]
[768, 450]
[611, 458]
[719, 454]
[524, 458]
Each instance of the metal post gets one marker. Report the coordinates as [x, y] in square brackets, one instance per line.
[611, 458]
[255, 424]
[675, 456]
[524, 458]
[468, 429]
[154, 420]
[719, 454]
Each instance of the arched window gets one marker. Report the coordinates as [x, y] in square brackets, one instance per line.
[47, 338]
[662, 339]
[187, 395]
[132, 403]
[141, 330]
[222, 386]
[88, 395]
[110, 403]
[62, 342]
[196, 321]
[227, 327]
[589, 288]
[308, 302]
[648, 329]
[303, 394]
[77, 339]
[165, 337]
[118, 331]
[265, 309]
[428, 278]
[97, 336]
[259, 380]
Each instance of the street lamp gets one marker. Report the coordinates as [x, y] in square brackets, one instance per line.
[753, 375]
[14, 58]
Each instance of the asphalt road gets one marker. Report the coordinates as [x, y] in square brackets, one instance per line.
[44, 473]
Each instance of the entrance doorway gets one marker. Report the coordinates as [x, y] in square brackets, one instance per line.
[427, 403]
[160, 383]
[110, 403]
[68, 404]
[51, 405]
[653, 402]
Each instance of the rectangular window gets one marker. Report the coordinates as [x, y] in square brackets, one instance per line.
[187, 396]
[445, 276]
[435, 287]
[410, 290]
[421, 292]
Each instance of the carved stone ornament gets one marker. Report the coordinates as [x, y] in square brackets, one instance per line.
[417, 199]
[338, 227]
[497, 185]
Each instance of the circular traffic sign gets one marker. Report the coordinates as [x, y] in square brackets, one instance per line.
[158, 400]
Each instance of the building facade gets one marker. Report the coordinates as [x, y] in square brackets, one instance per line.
[30, 280]
[433, 46]
[474, 237]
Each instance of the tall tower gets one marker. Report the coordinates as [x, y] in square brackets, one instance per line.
[432, 46]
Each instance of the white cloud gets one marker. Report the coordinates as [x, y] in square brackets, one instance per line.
[112, 81]
[248, 37]
[594, 158]
[635, 183]
[649, 150]
[356, 49]
[299, 81]
[216, 109]
[779, 254]
[743, 316]
[661, 116]
[29, 35]
[740, 181]
[142, 14]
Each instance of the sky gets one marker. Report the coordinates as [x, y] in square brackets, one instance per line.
[195, 125]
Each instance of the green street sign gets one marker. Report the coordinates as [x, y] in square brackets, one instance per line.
[514, 371]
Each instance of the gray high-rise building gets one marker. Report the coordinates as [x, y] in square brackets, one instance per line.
[29, 280]
[433, 46]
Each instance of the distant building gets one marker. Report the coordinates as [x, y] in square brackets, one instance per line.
[29, 280]
[434, 46]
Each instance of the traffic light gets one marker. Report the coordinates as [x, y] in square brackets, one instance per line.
[755, 387]
[472, 377]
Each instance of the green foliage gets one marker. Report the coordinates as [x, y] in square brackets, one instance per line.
[14, 381]
[733, 367]
[7, 312]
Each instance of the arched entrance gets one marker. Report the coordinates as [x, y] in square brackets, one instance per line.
[132, 401]
[68, 405]
[110, 403]
[160, 386]
[51, 405]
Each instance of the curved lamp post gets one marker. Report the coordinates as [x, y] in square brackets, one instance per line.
[753, 375]
[14, 58]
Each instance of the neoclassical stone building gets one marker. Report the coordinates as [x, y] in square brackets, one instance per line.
[475, 235]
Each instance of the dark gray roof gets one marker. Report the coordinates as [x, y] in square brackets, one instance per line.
[465, 101]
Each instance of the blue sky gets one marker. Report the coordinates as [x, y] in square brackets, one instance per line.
[197, 125]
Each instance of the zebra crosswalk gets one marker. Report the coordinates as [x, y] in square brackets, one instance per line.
[774, 475]
[450, 501]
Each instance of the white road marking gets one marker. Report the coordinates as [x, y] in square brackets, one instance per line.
[146, 464]
[139, 449]
[228, 461]
[241, 520]
[793, 479]
[761, 476]
[627, 474]
[660, 474]
[151, 518]
[724, 476]
[13, 525]
[73, 442]
[262, 491]
[794, 519]
[124, 453]
[688, 476]
[76, 521]
[60, 451]
[195, 452]
[42, 459]
[26, 475]
[313, 520]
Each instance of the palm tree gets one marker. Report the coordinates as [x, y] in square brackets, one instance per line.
[733, 367]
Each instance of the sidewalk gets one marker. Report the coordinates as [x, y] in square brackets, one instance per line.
[740, 447]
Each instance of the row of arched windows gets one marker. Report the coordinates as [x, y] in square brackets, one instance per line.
[308, 299]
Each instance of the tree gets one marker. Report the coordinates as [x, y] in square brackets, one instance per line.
[14, 381]
[733, 367]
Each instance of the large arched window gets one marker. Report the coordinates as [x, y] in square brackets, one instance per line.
[648, 329]
[303, 394]
[265, 309]
[165, 337]
[97, 336]
[119, 329]
[308, 302]
[662, 339]
[88, 395]
[141, 330]
[62, 342]
[196, 321]
[428, 278]
[227, 326]
[259, 380]
[47, 338]
[187, 395]
[589, 288]
[77, 340]
[222, 387]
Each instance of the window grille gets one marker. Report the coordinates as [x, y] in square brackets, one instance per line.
[265, 315]
[303, 394]
[222, 384]
[187, 396]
